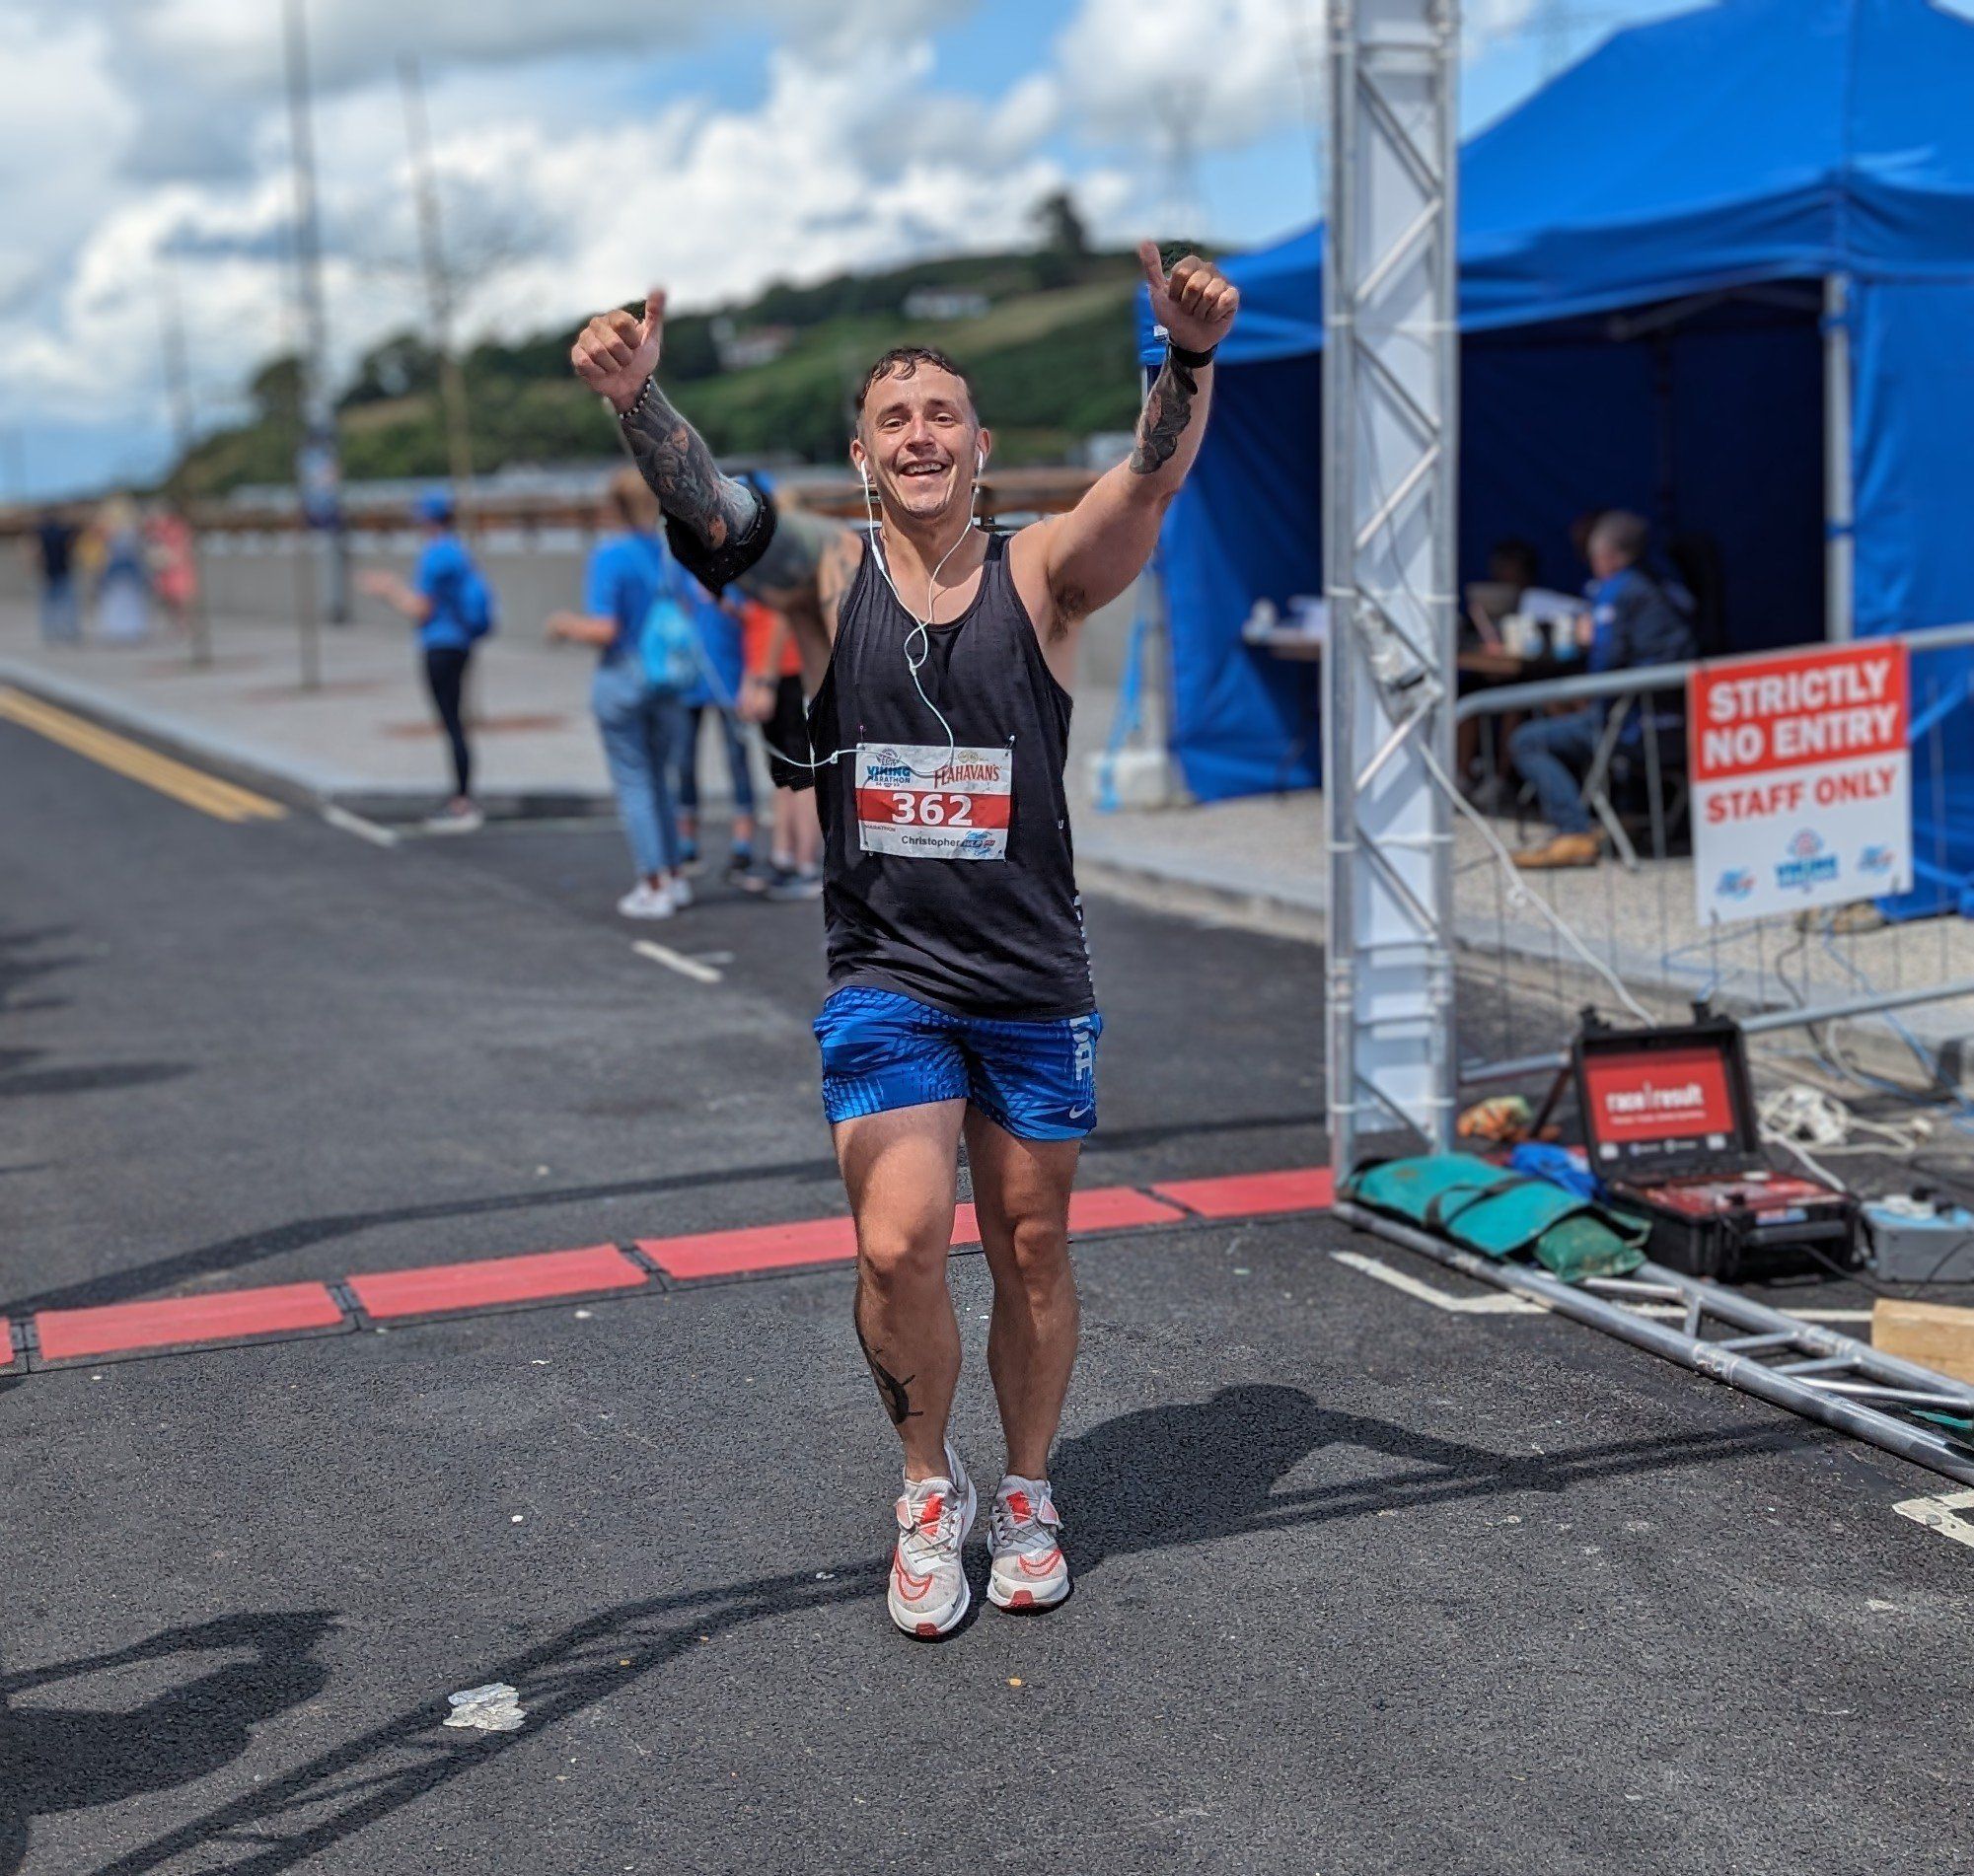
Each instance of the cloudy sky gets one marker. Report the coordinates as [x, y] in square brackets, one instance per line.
[585, 149]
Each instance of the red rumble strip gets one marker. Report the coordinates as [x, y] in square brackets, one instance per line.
[182, 1322]
[441, 1289]
[1254, 1195]
[435, 1289]
[757, 1248]
[791, 1247]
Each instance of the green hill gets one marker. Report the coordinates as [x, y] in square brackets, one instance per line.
[1052, 356]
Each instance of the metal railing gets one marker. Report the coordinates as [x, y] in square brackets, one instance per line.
[1537, 946]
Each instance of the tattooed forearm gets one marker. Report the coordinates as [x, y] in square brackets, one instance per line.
[1167, 412]
[890, 1390]
[674, 462]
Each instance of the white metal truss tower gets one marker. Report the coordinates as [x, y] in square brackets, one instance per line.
[1390, 403]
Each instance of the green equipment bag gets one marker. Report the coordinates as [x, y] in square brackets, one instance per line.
[1482, 1208]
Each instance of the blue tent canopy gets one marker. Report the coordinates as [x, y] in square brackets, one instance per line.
[1643, 247]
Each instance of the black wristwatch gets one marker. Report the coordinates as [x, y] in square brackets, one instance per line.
[1192, 361]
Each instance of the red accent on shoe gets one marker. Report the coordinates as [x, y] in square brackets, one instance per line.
[1040, 1565]
[934, 1508]
[912, 1587]
[1017, 1502]
[929, 1630]
[1021, 1598]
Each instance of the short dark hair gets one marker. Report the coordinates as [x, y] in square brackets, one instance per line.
[1513, 552]
[903, 361]
[1621, 532]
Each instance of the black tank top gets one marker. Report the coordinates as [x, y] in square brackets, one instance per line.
[949, 880]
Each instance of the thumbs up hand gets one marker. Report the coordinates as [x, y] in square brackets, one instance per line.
[1196, 301]
[617, 351]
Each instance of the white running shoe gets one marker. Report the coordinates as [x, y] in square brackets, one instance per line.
[1025, 1535]
[645, 901]
[455, 820]
[928, 1594]
[681, 889]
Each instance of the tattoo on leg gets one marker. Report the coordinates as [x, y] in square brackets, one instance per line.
[679, 470]
[890, 1390]
[1167, 412]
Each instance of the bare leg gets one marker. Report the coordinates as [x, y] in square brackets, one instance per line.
[901, 1170]
[1021, 1196]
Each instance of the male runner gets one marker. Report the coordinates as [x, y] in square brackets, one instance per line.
[961, 1005]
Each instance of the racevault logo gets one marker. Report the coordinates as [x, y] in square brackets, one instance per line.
[1807, 863]
[978, 841]
[1687, 1096]
[1875, 860]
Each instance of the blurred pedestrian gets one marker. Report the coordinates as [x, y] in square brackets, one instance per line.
[716, 694]
[124, 587]
[635, 614]
[174, 566]
[453, 606]
[772, 698]
[54, 554]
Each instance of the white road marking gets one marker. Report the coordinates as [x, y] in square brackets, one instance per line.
[1509, 1305]
[1936, 1514]
[362, 828]
[677, 961]
[1502, 1305]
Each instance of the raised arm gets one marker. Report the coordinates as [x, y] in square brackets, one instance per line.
[717, 526]
[1089, 555]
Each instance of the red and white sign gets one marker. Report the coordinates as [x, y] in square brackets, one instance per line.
[1659, 1095]
[1802, 780]
[926, 802]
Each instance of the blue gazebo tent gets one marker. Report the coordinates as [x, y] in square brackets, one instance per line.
[1651, 249]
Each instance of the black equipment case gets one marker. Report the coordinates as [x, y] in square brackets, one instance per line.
[1670, 1128]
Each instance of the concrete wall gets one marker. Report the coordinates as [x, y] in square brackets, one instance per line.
[253, 577]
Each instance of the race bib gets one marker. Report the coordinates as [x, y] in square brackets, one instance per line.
[916, 801]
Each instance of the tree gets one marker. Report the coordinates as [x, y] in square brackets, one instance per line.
[274, 388]
[1061, 226]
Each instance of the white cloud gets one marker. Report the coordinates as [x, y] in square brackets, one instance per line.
[852, 158]
[63, 124]
[1200, 75]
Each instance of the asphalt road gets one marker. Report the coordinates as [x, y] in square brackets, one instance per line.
[1365, 1585]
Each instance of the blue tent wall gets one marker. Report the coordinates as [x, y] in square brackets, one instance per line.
[1913, 353]
[1761, 141]
[1245, 527]
[1728, 424]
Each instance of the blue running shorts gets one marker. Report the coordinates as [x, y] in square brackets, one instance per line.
[881, 1050]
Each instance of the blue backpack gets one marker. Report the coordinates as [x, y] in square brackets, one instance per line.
[479, 610]
[668, 642]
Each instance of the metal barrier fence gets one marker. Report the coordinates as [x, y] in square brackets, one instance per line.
[1626, 934]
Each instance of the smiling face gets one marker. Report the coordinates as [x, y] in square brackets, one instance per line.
[919, 439]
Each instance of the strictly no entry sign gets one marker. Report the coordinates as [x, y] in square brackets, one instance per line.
[1802, 780]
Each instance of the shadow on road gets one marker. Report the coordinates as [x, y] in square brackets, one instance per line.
[17, 1077]
[71, 1758]
[1116, 1481]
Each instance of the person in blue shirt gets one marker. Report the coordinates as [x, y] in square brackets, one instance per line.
[642, 724]
[717, 693]
[451, 603]
[1635, 621]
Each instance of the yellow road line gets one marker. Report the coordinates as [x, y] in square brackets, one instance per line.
[191, 786]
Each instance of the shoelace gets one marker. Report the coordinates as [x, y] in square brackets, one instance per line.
[922, 1539]
[1024, 1526]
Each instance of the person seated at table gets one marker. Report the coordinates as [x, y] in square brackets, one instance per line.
[1512, 568]
[1635, 621]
